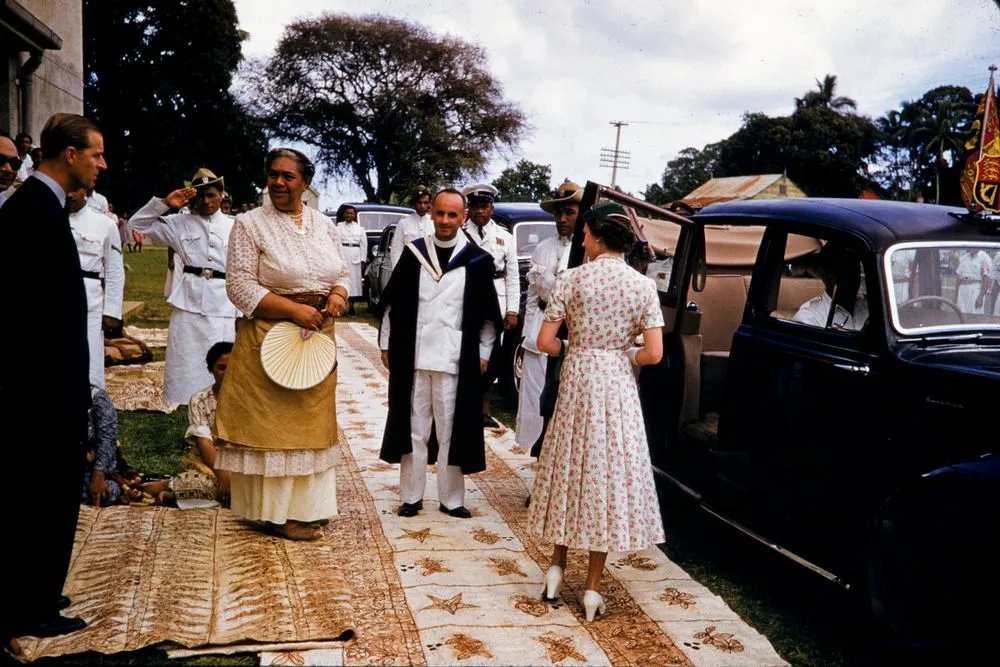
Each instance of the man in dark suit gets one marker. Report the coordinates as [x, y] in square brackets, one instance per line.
[45, 303]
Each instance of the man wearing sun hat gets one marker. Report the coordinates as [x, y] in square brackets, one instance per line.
[498, 243]
[203, 314]
[550, 259]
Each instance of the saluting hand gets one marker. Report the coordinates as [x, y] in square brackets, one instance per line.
[179, 198]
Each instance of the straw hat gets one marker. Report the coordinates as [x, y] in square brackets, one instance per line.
[567, 193]
[203, 177]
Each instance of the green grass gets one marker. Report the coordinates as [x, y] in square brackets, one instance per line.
[145, 275]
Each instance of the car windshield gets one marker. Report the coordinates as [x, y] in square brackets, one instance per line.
[530, 234]
[944, 286]
[376, 221]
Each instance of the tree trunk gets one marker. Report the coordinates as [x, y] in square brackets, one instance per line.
[937, 175]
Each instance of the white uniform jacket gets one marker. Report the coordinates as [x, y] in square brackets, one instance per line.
[408, 228]
[100, 248]
[550, 258]
[498, 242]
[198, 242]
[354, 247]
[439, 321]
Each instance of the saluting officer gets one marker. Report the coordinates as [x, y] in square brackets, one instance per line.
[203, 314]
[499, 243]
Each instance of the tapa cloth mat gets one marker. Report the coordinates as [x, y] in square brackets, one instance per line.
[137, 387]
[436, 590]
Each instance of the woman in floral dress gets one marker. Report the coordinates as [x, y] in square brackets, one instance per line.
[594, 489]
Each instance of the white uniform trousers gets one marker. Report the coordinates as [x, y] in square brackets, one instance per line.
[529, 421]
[95, 341]
[432, 403]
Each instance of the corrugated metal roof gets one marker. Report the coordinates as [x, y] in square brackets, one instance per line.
[731, 187]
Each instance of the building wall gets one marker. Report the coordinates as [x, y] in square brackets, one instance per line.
[774, 190]
[57, 84]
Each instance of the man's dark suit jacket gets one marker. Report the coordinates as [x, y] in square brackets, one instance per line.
[44, 398]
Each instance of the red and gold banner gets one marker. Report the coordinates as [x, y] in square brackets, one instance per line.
[980, 179]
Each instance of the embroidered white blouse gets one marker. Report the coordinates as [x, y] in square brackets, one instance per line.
[268, 253]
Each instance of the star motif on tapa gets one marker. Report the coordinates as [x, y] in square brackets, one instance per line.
[419, 535]
[429, 566]
[530, 605]
[559, 648]
[676, 598]
[465, 646]
[485, 536]
[638, 562]
[506, 566]
[451, 605]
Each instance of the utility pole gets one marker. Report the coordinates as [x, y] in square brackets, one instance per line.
[616, 159]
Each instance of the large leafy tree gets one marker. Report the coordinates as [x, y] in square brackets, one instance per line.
[897, 167]
[156, 81]
[525, 181]
[684, 173]
[386, 103]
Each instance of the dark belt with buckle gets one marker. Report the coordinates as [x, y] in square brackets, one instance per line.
[499, 274]
[93, 275]
[205, 273]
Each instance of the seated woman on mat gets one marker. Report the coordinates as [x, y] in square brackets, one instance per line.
[200, 484]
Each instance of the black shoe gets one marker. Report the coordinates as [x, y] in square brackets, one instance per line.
[459, 512]
[410, 509]
[63, 602]
[53, 627]
[351, 312]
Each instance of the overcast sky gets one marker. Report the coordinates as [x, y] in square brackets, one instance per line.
[681, 73]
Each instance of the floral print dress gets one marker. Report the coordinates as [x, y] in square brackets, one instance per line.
[594, 488]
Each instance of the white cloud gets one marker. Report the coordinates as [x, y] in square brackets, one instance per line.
[683, 72]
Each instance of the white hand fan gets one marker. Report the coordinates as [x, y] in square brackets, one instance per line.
[297, 358]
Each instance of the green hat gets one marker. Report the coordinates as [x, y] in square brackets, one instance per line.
[604, 210]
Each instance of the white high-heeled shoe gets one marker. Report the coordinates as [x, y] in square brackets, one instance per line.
[593, 604]
[553, 580]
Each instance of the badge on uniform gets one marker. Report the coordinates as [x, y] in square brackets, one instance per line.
[499, 241]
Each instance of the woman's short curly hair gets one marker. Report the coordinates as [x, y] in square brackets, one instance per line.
[613, 230]
[306, 168]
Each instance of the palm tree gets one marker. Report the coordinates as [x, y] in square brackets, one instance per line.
[824, 96]
[935, 130]
[894, 129]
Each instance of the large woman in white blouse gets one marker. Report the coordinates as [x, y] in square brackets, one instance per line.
[284, 263]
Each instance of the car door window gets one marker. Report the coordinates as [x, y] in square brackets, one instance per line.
[527, 236]
[824, 289]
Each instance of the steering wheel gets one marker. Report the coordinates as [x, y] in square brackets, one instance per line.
[933, 297]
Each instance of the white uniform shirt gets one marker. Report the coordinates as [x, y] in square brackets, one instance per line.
[499, 243]
[100, 249]
[409, 228]
[27, 169]
[354, 241]
[98, 202]
[815, 312]
[550, 259]
[5, 195]
[439, 321]
[197, 242]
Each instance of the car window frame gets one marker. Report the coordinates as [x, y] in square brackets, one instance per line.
[886, 267]
[759, 297]
[513, 232]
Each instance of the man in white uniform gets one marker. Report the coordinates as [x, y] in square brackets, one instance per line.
[354, 243]
[499, 243]
[839, 271]
[23, 142]
[437, 337]
[413, 226]
[100, 249]
[98, 202]
[550, 258]
[203, 314]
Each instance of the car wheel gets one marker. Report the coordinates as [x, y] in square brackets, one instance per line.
[517, 368]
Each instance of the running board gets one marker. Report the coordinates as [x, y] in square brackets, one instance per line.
[830, 576]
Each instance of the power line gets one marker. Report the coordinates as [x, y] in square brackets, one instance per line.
[616, 159]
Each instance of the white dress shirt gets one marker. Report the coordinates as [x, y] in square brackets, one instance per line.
[551, 257]
[100, 249]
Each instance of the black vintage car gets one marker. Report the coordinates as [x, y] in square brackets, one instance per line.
[839, 399]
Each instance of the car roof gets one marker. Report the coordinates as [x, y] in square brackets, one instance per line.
[512, 213]
[364, 206]
[882, 223]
